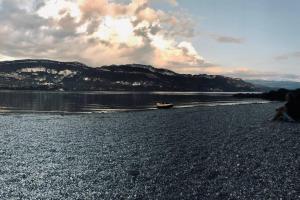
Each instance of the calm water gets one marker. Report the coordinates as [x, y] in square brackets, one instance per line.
[44, 101]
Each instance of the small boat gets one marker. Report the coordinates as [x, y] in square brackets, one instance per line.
[164, 105]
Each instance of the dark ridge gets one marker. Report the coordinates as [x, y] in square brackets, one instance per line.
[74, 76]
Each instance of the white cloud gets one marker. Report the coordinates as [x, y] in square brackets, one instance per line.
[98, 33]
[4, 57]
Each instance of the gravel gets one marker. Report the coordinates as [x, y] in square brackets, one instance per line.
[223, 152]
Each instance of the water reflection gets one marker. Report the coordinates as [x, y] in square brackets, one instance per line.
[43, 101]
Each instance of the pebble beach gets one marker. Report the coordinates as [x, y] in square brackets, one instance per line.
[221, 152]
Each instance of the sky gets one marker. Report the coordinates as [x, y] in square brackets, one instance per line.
[239, 38]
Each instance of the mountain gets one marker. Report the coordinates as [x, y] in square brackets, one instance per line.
[290, 85]
[54, 75]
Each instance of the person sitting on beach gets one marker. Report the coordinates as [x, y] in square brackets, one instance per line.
[290, 111]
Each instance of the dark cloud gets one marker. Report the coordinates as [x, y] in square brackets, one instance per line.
[288, 56]
[227, 39]
[251, 74]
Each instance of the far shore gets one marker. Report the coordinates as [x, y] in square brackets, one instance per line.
[132, 91]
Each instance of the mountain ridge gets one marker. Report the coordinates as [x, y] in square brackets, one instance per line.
[273, 84]
[73, 76]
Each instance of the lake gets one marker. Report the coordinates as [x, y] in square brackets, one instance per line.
[107, 101]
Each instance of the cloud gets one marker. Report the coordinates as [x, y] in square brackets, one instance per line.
[173, 2]
[98, 33]
[104, 32]
[227, 39]
[4, 57]
[246, 73]
[292, 55]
